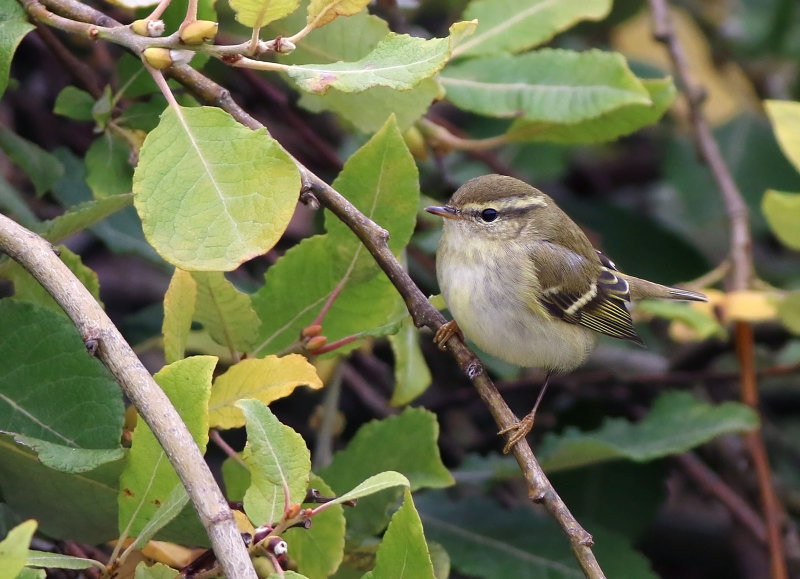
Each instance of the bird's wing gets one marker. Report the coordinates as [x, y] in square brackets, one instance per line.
[584, 292]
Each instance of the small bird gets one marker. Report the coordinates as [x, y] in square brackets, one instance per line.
[525, 284]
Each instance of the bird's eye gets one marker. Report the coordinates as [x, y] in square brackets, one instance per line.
[489, 215]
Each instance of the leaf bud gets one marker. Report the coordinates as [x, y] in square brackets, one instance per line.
[293, 511]
[198, 32]
[311, 331]
[277, 546]
[316, 343]
[147, 27]
[157, 57]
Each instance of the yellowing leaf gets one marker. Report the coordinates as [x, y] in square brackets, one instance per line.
[782, 211]
[729, 91]
[14, 548]
[179, 302]
[750, 306]
[265, 379]
[785, 119]
[789, 312]
[321, 12]
[259, 13]
[225, 312]
[170, 554]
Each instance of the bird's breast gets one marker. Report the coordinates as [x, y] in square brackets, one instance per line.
[492, 301]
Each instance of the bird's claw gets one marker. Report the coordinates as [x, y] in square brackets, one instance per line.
[445, 332]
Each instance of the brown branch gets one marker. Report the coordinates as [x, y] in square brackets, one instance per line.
[37, 256]
[701, 474]
[741, 272]
[423, 313]
[773, 510]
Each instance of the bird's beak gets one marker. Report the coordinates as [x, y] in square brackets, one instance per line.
[445, 211]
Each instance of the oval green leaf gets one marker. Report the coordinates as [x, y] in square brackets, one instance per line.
[785, 119]
[782, 211]
[516, 25]
[212, 193]
[548, 85]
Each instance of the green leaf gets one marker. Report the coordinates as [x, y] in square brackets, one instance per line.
[785, 119]
[47, 560]
[279, 463]
[14, 26]
[412, 436]
[259, 13]
[318, 551]
[236, 478]
[789, 311]
[517, 25]
[13, 205]
[149, 478]
[14, 549]
[411, 374]
[41, 167]
[157, 571]
[179, 307]
[605, 495]
[399, 61]
[75, 104]
[27, 288]
[81, 217]
[549, 85]
[372, 485]
[381, 180]
[611, 125]
[225, 312]
[68, 458]
[265, 379]
[485, 540]
[368, 110]
[322, 12]
[37, 491]
[56, 400]
[782, 211]
[212, 193]
[168, 510]
[677, 423]
[108, 166]
[403, 552]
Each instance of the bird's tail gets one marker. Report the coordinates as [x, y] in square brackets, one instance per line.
[642, 289]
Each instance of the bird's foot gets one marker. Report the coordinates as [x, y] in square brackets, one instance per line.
[445, 332]
[518, 431]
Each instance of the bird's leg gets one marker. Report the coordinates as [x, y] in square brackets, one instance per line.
[521, 429]
[445, 332]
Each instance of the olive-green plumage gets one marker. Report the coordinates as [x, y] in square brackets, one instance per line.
[525, 284]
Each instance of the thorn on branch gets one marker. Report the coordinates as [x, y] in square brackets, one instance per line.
[307, 196]
[92, 344]
[474, 369]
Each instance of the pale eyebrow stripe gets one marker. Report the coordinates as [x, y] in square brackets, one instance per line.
[510, 205]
